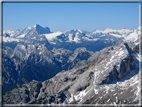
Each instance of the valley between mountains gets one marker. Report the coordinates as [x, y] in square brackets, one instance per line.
[71, 67]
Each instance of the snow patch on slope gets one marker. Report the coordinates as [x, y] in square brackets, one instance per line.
[121, 31]
[116, 35]
[76, 38]
[8, 39]
[133, 36]
[51, 36]
[21, 36]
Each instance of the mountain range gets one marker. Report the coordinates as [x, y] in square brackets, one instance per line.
[71, 67]
[70, 39]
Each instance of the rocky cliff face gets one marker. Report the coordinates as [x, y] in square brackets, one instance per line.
[110, 79]
[25, 63]
[36, 61]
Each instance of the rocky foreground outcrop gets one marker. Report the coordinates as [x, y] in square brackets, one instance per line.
[111, 79]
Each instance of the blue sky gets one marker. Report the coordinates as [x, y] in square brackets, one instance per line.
[65, 16]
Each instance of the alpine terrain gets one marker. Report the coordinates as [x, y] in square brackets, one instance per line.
[71, 67]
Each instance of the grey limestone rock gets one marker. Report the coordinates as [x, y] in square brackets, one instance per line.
[104, 81]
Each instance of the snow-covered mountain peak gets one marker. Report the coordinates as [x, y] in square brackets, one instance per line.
[29, 27]
[28, 31]
[108, 30]
[16, 30]
[73, 31]
[113, 32]
[41, 29]
[80, 31]
[35, 25]
[7, 32]
[98, 31]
